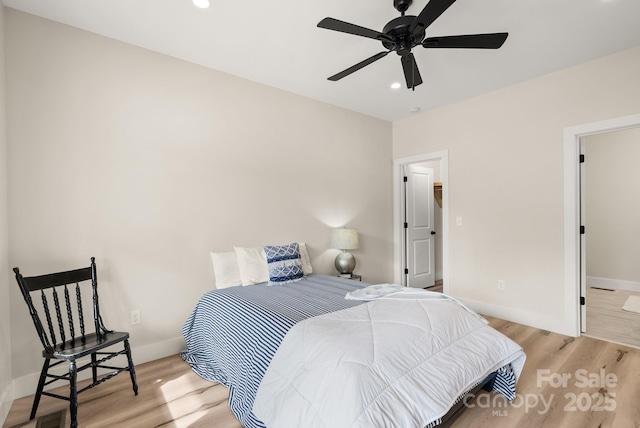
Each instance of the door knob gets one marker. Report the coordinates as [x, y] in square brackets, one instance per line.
[433, 232]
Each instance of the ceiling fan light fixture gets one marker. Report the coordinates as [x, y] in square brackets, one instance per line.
[202, 4]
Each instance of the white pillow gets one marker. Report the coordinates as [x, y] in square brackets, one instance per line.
[253, 265]
[304, 258]
[225, 269]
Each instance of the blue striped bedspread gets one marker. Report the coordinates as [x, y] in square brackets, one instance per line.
[233, 333]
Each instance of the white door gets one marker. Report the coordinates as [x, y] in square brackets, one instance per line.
[419, 229]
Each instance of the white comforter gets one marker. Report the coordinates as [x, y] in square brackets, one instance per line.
[386, 363]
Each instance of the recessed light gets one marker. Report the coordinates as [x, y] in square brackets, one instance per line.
[414, 109]
[202, 4]
[395, 85]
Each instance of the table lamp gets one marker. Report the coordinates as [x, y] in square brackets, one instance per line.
[345, 239]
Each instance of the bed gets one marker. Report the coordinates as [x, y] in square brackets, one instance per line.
[298, 354]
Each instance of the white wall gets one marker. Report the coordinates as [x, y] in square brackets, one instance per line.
[612, 180]
[6, 392]
[149, 163]
[506, 181]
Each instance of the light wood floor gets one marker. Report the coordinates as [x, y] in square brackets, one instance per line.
[606, 319]
[436, 287]
[171, 395]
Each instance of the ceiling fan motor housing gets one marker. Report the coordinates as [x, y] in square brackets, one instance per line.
[398, 30]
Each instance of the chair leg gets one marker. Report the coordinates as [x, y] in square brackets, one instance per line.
[132, 370]
[94, 368]
[73, 394]
[43, 377]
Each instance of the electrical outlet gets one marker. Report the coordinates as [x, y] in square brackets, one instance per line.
[458, 221]
[501, 285]
[135, 316]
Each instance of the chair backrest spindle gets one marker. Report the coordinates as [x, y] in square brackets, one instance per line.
[72, 331]
[80, 310]
[52, 332]
[56, 302]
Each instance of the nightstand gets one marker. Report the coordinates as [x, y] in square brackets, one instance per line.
[352, 276]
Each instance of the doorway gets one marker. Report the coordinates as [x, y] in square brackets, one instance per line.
[401, 262]
[610, 183]
[574, 259]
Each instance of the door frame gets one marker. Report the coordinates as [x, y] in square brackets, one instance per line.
[572, 248]
[398, 207]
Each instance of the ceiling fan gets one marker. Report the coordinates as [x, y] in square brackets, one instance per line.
[402, 34]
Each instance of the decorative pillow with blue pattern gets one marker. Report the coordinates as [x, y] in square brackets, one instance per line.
[284, 263]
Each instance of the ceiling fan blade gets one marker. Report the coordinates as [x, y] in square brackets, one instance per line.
[411, 72]
[471, 41]
[358, 66]
[345, 27]
[430, 13]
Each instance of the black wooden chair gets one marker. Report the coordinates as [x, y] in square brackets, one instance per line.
[71, 346]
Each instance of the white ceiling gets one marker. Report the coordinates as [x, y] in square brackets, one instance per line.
[278, 44]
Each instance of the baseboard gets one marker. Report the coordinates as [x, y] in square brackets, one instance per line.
[26, 385]
[6, 400]
[155, 351]
[613, 284]
[520, 316]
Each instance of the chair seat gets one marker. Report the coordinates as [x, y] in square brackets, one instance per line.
[81, 346]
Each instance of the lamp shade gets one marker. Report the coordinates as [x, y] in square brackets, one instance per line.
[345, 239]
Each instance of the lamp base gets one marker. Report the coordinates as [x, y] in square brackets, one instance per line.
[345, 263]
